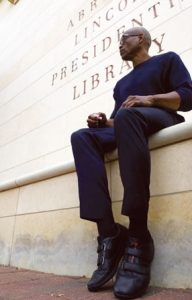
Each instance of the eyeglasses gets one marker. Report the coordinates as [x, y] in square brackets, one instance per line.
[126, 36]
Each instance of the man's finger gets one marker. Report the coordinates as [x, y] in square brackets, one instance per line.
[92, 121]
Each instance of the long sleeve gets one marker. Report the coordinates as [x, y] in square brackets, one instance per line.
[179, 80]
[115, 96]
[160, 74]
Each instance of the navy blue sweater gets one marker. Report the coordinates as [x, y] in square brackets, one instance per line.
[160, 74]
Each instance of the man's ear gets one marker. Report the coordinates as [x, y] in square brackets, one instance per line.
[141, 38]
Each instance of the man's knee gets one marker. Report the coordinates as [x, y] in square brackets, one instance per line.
[76, 136]
[124, 114]
[129, 115]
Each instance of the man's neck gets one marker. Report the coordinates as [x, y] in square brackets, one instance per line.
[140, 58]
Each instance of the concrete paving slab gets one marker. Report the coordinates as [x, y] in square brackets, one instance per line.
[17, 284]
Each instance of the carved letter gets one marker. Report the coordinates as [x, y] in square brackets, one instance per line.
[81, 14]
[70, 25]
[53, 78]
[85, 32]
[125, 64]
[76, 40]
[107, 16]
[93, 4]
[95, 81]
[84, 86]
[85, 57]
[63, 72]
[125, 5]
[75, 96]
[120, 31]
[94, 51]
[74, 65]
[154, 9]
[159, 43]
[109, 70]
[98, 24]
[137, 22]
[171, 3]
[108, 39]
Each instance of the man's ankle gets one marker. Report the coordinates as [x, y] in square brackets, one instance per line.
[109, 230]
[143, 236]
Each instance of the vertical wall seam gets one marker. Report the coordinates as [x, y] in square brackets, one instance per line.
[110, 182]
[14, 225]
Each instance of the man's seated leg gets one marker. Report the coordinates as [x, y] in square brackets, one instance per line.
[132, 128]
[89, 146]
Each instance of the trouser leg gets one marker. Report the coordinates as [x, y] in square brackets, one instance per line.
[134, 160]
[132, 128]
[89, 146]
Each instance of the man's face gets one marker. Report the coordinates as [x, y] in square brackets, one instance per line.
[129, 44]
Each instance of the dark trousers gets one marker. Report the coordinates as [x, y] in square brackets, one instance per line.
[130, 133]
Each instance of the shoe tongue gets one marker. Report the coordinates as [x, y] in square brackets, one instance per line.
[101, 239]
[134, 242]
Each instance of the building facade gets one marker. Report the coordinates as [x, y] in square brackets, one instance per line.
[59, 62]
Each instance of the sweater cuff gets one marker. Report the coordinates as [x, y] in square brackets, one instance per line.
[186, 99]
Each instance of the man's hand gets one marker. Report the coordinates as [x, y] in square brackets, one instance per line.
[96, 120]
[170, 100]
[138, 101]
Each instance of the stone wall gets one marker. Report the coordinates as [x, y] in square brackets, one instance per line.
[40, 227]
[59, 62]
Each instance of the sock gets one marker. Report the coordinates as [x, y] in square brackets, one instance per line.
[107, 226]
[138, 227]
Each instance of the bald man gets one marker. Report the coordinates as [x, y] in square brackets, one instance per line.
[146, 100]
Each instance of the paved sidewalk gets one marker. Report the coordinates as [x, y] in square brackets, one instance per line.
[24, 284]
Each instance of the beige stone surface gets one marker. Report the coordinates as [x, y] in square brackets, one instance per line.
[37, 143]
[30, 107]
[61, 243]
[46, 161]
[57, 242]
[8, 202]
[116, 184]
[48, 228]
[32, 16]
[53, 194]
[36, 121]
[170, 221]
[171, 169]
[7, 225]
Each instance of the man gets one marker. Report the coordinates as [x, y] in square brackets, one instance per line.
[146, 100]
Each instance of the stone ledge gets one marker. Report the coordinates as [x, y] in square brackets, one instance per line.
[164, 137]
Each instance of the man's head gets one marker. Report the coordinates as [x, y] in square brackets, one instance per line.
[133, 41]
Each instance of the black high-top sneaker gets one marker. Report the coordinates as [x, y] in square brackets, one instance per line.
[110, 250]
[133, 275]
